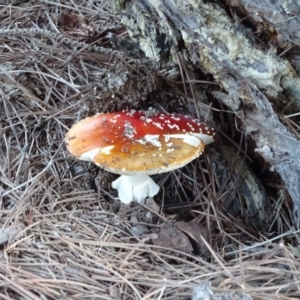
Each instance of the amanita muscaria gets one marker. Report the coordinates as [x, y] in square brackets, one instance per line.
[136, 144]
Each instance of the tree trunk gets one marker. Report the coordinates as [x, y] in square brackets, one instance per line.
[251, 74]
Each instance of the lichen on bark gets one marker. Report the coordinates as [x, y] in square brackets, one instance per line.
[212, 40]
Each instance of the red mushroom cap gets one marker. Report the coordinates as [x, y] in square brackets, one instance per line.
[139, 142]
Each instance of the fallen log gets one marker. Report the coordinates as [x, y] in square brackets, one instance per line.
[248, 74]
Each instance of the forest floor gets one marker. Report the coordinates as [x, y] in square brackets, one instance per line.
[63, 235]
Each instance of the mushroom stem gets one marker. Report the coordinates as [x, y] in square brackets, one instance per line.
[135, 188]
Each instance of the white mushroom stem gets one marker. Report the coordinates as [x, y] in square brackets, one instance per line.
[135, 188]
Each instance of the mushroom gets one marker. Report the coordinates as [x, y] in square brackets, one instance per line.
[136, 144]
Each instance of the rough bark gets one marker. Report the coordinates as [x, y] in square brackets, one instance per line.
[249, 75]
[281, 14]
[212, 40]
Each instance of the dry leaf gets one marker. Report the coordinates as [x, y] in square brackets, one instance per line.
[75, 25]
[173, 239]
[194, 231]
